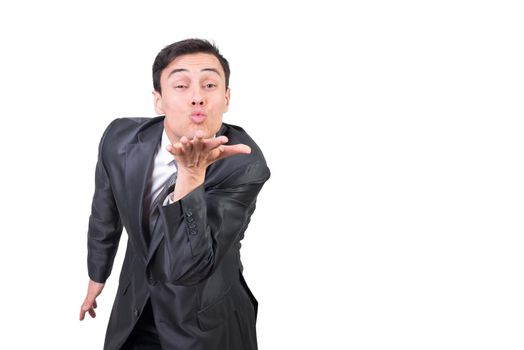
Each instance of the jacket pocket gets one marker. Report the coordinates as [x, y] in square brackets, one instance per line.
[217, 313]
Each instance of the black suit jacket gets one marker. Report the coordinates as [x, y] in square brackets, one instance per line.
[190, 269]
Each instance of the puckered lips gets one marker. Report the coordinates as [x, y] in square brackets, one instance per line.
[198, 116]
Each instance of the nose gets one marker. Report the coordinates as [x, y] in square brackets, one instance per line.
[197, 98]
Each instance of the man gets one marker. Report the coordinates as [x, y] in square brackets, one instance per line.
[181, 285]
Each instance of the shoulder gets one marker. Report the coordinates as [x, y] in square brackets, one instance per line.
[240, 168]
[123, 131]
[130, 127]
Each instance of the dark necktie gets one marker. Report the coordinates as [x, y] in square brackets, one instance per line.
[159, 200]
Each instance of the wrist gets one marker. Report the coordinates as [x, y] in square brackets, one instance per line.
[186, 182]
[191, 176]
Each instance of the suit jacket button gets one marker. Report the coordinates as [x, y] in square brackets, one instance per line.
[193, 232]
[189, 213]
[135, 312]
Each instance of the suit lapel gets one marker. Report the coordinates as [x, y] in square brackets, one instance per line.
[139, 161]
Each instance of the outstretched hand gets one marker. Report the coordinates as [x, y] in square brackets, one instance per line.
[195, 155]
[89, 305]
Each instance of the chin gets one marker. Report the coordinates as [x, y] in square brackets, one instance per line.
[192, 132]
[209, 132]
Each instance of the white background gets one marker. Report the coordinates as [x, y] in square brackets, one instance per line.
[393, 129]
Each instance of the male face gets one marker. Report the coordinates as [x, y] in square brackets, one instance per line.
[194, 96]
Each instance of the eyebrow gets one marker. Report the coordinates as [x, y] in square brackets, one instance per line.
[178, 70]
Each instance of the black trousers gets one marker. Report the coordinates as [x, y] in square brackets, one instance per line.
[144, 336]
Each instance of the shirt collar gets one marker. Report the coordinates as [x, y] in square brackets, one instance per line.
[164, 156]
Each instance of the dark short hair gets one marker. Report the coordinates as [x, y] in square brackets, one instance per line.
[185, 47]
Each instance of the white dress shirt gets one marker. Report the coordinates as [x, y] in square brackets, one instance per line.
[163, 167]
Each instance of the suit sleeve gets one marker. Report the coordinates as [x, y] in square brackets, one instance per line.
[204, 225]
[105, 227]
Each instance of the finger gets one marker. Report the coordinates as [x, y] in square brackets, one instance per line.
[184, 141]
[198, 141]
[92, 313]
[231, 150]
[187, 146]
[82, 314]
[87, 305]
[216, 142]
[175, 149]
[95, 304]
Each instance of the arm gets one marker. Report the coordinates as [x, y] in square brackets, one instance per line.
[105, 226]
[202, 226]
[104, 233]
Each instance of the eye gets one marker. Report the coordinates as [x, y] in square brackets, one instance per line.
[180, 86]
[210, 85]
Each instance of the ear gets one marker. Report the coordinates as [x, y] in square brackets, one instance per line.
[228, 97]
[157, 101]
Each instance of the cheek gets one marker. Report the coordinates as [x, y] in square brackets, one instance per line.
[220, 106]
[175, 121]
[173, 109]
[216, 124]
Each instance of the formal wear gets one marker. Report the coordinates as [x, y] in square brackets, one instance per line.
[182, 271]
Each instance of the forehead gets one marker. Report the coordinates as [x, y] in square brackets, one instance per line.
[194, 63]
